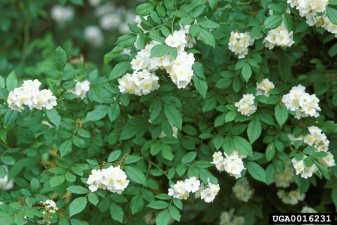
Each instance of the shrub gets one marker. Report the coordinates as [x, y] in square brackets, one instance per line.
[222, 112]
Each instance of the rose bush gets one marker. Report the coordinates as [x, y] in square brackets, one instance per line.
[222, 113]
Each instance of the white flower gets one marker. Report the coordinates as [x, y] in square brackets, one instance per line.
[192, 184]
[242, 190]
[50, 205]
[292, 197]
[93, 35]
[279, 37]
[29, 94]
[307, 209]
[6, 185]
[302, 103]
[284, 179]
[264, 87]
[177, 39]
[61, 14]
[246, 105]
[114, 179]
[239, 43]
[81, 89]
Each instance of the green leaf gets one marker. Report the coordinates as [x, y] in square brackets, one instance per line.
[201, 86]
[8, 160]
[334, 196]
[126, 40]
[273, 21]
[281, 114]
[167, 128]
[194, 30]
[163, 218]
[270, 174]
[166, 152]
[323, 170]
[158, 50]
[56, 180]
[60, 59]
[131, 159]
[209, 24]
[3, 172]
[10, 117]
[256, 171]
[135, 175]
[116, 212]
[178, 203]
[92, 197]
[78, 190]
[11, 81]
[135, 29]
[172, 51]
[270, 151]
[332, 14]
[212, 3]
[288, 22]
[242, 146]
[119, 70]
[173, 116]
[207, 38]
[189, 157]
[246, 72]
[284, 67]
[155, 109]
[83, 133]
[144, 9]
[35, 184]
[114, 112]
[98, 113]
[77, 206]
[136, 204]
[158, 205]
[54, 117]
[256, 31]
[174, 212]
[66, 147]
[114, 155]
[254, 129]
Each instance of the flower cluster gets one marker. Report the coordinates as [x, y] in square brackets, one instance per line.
[301, 102]
[113, 179]
[6, 185]
[208, 192]
[182, 189]
[279, 36]
[179, 69]
[139, 83]
[292, 197]
[264, 87]
[302, 169]
[246, 105]
[51, 207]
[94, 36]
[81, 89]
[327, 161]
[29, 94]
[315, 13]
[317, 139]
[307, 209]
[286, 178]
[242, 190]
[239, 43]
[61, 14]
[228, 218]
[232, 164]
